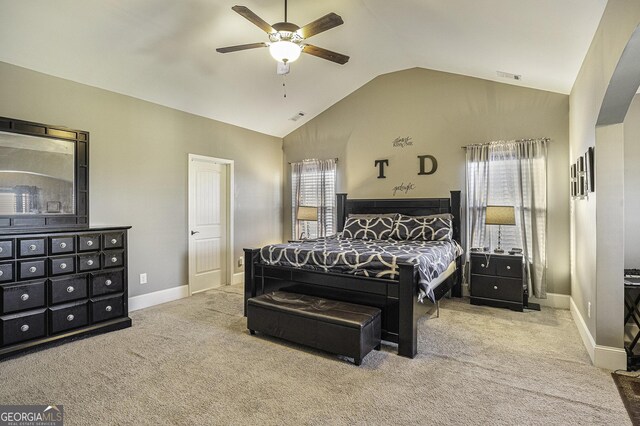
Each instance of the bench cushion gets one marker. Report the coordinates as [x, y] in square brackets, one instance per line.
[324, 310]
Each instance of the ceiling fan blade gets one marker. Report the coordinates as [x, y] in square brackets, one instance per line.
[320, 25]
[325, 54]
[240, 47]
[249, 15]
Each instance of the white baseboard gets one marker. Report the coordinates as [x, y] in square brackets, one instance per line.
[606, 357]
[238, 278]
[158, 297]
[553, 300]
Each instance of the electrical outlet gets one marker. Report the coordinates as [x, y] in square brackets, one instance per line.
[143, 278]
[589, 309]
[240, 261]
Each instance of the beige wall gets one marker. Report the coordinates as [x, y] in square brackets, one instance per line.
[632, 186]
[139, 168]
[597, 262]
[441, 112]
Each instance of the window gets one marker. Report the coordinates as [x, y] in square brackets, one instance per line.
[313, 184]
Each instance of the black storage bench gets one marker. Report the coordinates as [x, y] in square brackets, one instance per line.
[337, 327]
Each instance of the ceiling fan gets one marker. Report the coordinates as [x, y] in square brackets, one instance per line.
[287, 40]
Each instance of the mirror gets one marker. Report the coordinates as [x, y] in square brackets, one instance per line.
[36, 175]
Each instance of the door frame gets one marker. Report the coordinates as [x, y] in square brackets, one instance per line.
[229, 170]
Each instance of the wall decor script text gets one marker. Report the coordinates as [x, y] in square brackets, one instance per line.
[404, 188]
[401, 142]
[380, 164]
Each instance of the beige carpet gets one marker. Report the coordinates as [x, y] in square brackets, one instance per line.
[192, 362]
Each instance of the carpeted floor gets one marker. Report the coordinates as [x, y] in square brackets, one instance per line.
[192, 362]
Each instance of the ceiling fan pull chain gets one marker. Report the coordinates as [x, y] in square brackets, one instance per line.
[284, 86]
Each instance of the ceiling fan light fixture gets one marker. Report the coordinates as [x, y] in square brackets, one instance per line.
[285, 51]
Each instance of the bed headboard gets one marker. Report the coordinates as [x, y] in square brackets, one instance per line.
[408, 206]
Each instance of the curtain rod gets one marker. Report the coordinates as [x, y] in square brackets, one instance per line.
[335, 159]
[510, 141]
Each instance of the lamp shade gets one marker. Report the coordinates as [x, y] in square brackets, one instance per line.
[307, 213]
[285, 51]
[500, 215]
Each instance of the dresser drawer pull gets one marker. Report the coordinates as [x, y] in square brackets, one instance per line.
[114, 259]
[32, 247]
[63, 245]
[24, 328]
[107, 282]
[508, 267]
[482, 264]
[1, 249]
[113, 241]
[70, 317]
[89, 243]
[108, 309]
[33, 269]
[1, 273]
[63, 266]
[70, 289]
[495, 287]
[89, 262]
[24, 297]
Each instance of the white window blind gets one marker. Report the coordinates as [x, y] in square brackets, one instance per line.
[314, 185]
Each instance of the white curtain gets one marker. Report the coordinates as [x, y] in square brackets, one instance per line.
[511, 173]
[313, 184]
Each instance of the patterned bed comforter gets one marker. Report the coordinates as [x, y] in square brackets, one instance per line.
[371, 258]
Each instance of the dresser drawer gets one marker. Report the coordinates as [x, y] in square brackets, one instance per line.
[62, 245]
[32, 247]
[509, 267]
[62, 265]
[23, 296]
[6, 272]
[29, 269]
[67, 289]
[105, 308]
[69, 316]
[497, 288]
[89, 262]
[481, 264]
[24, 326]
[89, 242]
[113, 240]
[6, 249]
[112, 259]
[107, 282]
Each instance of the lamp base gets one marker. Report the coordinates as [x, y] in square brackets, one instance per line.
[498, 250]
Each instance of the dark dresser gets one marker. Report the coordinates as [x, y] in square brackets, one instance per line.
[498, 280]
[59, 284]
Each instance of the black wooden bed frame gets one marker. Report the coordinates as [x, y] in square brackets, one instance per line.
[398, 300]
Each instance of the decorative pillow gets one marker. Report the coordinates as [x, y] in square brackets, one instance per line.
[374, 228]
[437, 227]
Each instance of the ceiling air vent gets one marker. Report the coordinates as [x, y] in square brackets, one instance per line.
[509, 75]
[297, 117]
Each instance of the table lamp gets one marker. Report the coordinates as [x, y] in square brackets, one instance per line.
[500, 215]
[307, 213]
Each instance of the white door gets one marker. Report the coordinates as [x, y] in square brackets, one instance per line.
[207, 224]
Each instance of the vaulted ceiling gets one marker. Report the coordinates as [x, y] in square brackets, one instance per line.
[163, 51]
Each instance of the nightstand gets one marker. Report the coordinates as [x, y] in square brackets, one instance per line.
[498, 280]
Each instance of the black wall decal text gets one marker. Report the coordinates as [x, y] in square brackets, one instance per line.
[401, 142]
[404, 188]
[434, 164]
[380, 164]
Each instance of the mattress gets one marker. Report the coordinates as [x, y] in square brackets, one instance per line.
[369, 258]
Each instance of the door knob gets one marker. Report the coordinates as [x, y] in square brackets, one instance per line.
[195, 232]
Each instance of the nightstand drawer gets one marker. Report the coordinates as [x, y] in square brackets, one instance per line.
[481, 264]
[496, 288]
[509, 267]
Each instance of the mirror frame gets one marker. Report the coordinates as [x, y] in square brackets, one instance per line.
[80, 179]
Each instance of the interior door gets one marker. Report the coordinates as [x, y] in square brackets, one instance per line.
[207, 224]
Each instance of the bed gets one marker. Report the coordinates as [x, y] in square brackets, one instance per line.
[400, 284]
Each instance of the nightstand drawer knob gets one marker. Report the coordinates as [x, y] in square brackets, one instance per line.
[24, 297]
[113, 241]
[32, 247]
[89, 243]
[114, 259]
[1, 249]
[89, 262]
[482, 264]
[24, 328]
[508, 267]
[33, 269]
[108, 309]
[1, 273]
[107, 282]
[495, 287]
[63, 245]
[70, 317]
[63, 266]
[70, 289]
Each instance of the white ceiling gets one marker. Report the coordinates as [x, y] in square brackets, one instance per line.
[163, 51]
